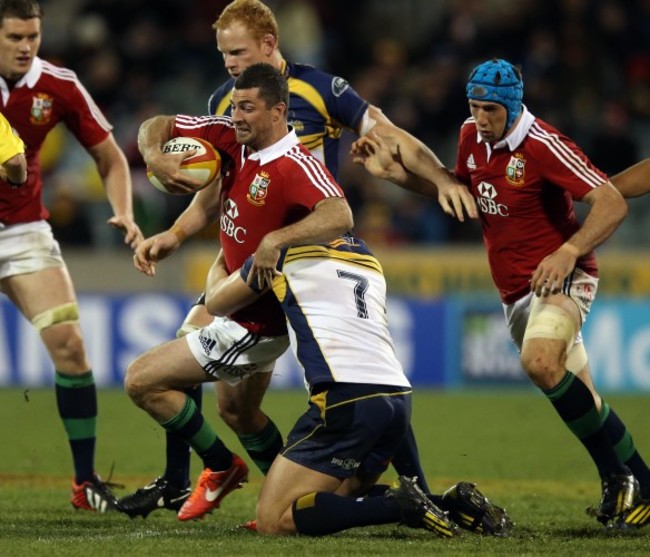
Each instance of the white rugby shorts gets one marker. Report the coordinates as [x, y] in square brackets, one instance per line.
[27, 248]
[229, 352]
[581, 289]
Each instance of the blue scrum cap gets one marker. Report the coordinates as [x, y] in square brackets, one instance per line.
[497, 81]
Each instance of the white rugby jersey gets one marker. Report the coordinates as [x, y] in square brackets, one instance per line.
[334, 297]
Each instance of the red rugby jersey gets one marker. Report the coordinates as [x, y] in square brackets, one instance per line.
[272, 188]
[45, 96]
[524, 187]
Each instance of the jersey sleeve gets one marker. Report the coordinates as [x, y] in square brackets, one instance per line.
[308, 180]
[563, 163]
[461, 172]
[83, 117]
[217, 130]
[348, 107]
[342, 102]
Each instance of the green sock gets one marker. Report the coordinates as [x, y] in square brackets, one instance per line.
[191, 426]
[263, 446]
[625, 448]
[575, 404]
[76, 399]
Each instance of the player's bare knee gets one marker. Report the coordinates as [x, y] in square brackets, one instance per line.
[136, 384]
[59, 329]
[243, 419]
[270, 524]
[551, 331]
[68, 352]
[235, 417]
[544, 369]
[539, 370]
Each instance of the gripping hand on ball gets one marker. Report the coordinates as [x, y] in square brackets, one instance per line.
[167, 168]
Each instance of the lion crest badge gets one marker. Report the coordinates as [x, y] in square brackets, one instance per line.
[258, 189]
[516, 170]
[41, 111]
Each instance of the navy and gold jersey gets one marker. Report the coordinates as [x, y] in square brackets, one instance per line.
[320, 107]
[334, 297]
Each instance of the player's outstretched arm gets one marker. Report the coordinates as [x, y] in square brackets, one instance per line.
[201, 212]
[152, 135]
[393, 154]
[114, 171]
[330, 218]
[225, 294]
[633, 181]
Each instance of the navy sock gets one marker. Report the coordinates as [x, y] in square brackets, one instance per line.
[191, 426]
[575, 404]
[177, 470]
[76, 399]
[407, 460]
[624, 447]
[263, 446]
[321, 513]
[378, 490]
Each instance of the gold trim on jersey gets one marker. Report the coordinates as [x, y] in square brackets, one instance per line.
[311, 141]
[223, 105]
[323, 252]
[314, 98]
[280, 287]
[310, 93]
[365, 397]
[320, 400]
[287, 449]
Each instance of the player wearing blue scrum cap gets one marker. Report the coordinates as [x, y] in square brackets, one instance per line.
[500, 82]
[524, 176]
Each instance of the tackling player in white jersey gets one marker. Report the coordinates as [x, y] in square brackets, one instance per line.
[334, 298]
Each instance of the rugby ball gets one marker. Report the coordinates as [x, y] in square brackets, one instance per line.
[204, 166]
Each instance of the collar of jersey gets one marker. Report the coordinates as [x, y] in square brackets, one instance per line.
[276, 150]
[31, 77]
[514, 139]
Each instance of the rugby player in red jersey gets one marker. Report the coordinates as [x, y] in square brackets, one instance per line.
[274, 194]
[524, 176]
[36, 96]
[322, 107]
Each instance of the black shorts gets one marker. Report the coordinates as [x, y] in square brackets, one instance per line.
[350, 429]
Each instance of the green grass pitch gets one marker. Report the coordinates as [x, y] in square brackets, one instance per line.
[510, 442]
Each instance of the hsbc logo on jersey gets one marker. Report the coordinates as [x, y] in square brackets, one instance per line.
[227, 222]
[486, 202]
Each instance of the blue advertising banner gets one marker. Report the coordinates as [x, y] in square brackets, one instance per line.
[454, 342]
[119, 328]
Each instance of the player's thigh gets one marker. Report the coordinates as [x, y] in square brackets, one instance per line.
[245, 396]
[286, 482]
[37, 292]
[168, 366]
